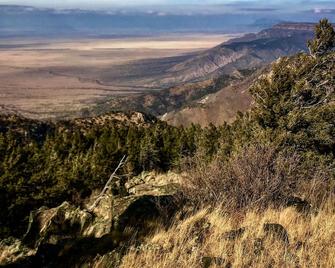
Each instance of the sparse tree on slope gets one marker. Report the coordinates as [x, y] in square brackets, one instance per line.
[324, 40]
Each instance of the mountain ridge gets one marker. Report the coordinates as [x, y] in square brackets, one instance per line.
[251, 50]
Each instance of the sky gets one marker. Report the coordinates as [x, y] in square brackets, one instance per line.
[296, 4]
[162, 15]
[284, 9]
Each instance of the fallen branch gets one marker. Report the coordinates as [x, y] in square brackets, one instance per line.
[107, 185]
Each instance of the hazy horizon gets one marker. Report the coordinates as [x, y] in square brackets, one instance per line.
[196, 6]
[82, 18]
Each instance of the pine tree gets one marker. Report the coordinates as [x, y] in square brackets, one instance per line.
[324, 40]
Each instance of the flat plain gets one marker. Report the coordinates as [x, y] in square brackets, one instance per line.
[58, 77]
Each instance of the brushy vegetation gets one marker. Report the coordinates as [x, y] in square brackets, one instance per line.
[257, 176]
[284, 146]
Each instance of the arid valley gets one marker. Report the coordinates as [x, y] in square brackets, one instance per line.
[43, 78]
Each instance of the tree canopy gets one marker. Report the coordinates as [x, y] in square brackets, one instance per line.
[324, 40]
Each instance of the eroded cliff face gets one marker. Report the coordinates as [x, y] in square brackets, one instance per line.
[69, 236]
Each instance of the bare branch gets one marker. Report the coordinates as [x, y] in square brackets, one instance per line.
[107, 185]
[319, 102]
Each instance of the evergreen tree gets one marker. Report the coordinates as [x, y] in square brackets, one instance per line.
[324, 40]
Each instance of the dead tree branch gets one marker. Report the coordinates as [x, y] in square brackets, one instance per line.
[107, 185]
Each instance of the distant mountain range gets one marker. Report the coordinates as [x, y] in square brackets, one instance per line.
[31, 21]
[189, 92]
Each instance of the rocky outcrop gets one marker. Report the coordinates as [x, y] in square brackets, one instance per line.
[152, 183]
[277, 231]
[12, 250]
[67, 236]
[49, 226]
[234, 234]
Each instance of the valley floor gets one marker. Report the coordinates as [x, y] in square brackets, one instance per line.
[46, 78]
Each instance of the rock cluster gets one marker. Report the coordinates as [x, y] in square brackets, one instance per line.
[68, 235]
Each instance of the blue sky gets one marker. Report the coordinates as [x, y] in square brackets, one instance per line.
[170, 15]
[111, 3]
[266, 7]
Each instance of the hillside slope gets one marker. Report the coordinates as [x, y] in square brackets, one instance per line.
[249, 51]
[216, 108]
[243, 53]
[237, 56]
[294, 115]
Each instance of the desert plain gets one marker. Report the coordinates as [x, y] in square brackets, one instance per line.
[49, 78]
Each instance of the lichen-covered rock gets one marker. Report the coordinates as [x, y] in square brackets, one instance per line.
[153, 183]
[73, 236]
[52, 225]
[12, 250]
[102, 220]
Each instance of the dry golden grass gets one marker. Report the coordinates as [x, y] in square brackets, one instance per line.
[187, 242]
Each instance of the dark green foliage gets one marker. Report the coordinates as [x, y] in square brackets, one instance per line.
[324, 40]
[68, 161]
[294, 104]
